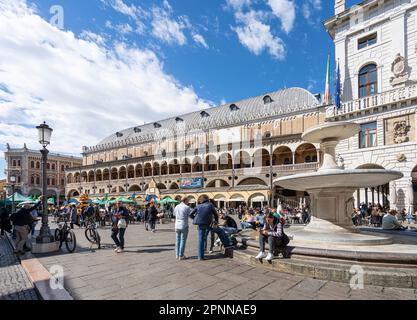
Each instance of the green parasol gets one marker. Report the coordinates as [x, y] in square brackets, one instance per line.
[168, 200]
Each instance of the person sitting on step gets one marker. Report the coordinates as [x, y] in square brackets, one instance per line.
[272, 233]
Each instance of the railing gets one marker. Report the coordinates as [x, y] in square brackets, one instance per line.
[287, 168]
[369, 102]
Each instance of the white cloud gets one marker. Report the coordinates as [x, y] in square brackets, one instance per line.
[309, 7]
[238, 4]
[198, 38]
[84, 90]
[93, 37]
[135, 12]
[256, 35]
[121, 28]
[285, 11]
[167, 28]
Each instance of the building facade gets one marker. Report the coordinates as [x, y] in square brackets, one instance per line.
[26, 166]
[376, 46]
[237, 150]
[231, 153]
[3, 189]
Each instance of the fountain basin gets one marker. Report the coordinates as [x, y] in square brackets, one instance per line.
[338, 178]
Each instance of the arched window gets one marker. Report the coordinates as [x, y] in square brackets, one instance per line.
[32, 180]
[38, 165]
[14, 163]
[267, 99]
[32, 164]
[38, 181]
[368, 82]
[62, 168]
[53, 181]
[53, 166]
[48, 166]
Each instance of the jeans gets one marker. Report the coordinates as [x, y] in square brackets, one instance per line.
[152, 224]
[180, 242]
[247, 225]
[273, 243]
[32, 232]
[119, 241]
[222, 236]
[202, 239]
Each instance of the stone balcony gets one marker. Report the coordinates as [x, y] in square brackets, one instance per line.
[278, 170]
[376, 103]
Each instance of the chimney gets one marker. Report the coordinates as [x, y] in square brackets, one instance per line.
[339, 6]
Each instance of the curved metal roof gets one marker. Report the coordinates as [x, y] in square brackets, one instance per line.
[283, 102]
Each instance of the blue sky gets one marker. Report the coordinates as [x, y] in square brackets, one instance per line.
[119, 63]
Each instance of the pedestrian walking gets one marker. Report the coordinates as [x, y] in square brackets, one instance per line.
[119, 224]
[182, 213]
[22, 222]
[153, 216]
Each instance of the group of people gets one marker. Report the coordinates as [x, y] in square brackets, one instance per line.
[379, 216]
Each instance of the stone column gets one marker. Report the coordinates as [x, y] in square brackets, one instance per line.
[410, 195]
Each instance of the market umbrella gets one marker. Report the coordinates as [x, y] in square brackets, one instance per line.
[168, 200]
[124, 200]
[30, 202]
[18, 198]
[51, 200]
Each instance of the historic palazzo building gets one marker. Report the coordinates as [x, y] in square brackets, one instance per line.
[231, 153]
[234, 152]
[25, 165]
[376, 46]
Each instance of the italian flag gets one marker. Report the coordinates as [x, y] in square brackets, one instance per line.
[327, 92]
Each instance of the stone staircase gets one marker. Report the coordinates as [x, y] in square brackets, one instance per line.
[333, 265]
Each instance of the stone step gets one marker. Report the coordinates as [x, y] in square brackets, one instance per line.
[356, 256]
[400, 276]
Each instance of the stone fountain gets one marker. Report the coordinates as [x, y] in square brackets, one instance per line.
[331, 189]
[330, 247]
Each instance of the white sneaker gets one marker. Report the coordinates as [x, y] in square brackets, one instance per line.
[269, 257]
[260, 255]
[117, 248]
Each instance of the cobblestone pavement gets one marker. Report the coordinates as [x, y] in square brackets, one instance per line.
[14, 282]
[148, 270]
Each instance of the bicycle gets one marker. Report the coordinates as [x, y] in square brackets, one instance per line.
[64, 234]
[92, 234]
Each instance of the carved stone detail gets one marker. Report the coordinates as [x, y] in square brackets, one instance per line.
[401, 129]
[399, 70]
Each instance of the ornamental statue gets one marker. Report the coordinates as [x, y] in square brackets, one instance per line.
[399, 70]
[401, 130]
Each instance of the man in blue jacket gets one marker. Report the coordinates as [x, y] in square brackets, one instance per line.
[204, 215]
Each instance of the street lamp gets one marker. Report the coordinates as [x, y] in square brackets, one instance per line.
[44, 137]
[12, 180]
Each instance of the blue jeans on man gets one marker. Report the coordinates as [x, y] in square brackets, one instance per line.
[202, 239]
[180, 242]
[118, 236]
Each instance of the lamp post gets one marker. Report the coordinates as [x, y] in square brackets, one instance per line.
[44, 135]
[12, 180]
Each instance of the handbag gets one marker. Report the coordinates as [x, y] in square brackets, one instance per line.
[285, 239]
[121, 224]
